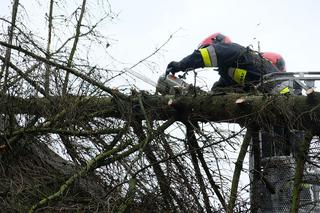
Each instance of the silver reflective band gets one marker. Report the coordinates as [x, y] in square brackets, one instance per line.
[213, 56]
[231, 71]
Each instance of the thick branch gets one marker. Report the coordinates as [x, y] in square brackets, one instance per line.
[74, 46]
[5, 67]
[237, 170]
[266, 110]
[48, 71]
[303, 147]
[194, 145]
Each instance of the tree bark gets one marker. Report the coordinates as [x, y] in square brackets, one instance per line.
[293, 110]
[302, 152]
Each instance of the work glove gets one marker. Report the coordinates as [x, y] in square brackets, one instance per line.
[173, 67]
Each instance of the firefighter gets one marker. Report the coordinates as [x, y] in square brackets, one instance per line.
[276, 59]
[283, 86]
[237, 65]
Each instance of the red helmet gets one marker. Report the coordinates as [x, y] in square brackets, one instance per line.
[214, 38]
[276, 59]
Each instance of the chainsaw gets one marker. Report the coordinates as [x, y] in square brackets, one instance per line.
[169, 84]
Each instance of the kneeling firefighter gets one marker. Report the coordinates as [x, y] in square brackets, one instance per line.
[237, 65]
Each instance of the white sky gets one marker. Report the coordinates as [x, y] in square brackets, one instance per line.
[289, 27]
[285, 26]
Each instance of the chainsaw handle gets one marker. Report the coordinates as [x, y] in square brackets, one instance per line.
[183, 76]
[169, 70]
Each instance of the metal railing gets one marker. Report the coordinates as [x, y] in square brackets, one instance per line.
[301, 80]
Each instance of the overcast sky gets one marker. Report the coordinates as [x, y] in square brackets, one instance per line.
[289, 27]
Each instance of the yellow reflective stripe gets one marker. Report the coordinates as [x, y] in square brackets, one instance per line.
[239, 75]
[285, 90]
[205, 57]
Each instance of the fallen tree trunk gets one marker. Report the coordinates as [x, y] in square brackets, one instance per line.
[230, 108]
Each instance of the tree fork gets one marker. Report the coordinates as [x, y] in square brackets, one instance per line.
[182, 173]
[195, 146]
[198, 174]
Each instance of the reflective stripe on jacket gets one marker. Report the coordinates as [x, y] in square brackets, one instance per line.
[237, 64]
[238, 75]
[209, 56]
